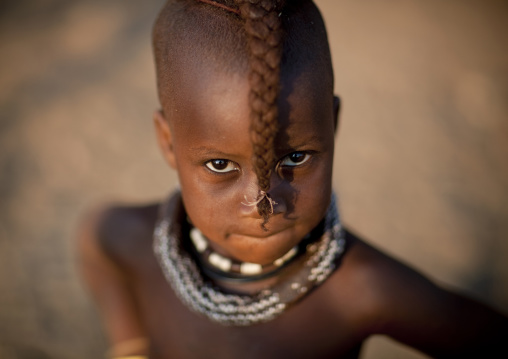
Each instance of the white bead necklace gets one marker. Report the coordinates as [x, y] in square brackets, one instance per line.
[228, 265]
[203, 297]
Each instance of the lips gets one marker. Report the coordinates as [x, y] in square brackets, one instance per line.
[253, 229]
[259, 234]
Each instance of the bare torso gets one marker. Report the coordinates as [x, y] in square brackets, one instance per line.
[316, 327]
[368, 293]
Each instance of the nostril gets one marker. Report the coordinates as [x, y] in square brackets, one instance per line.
[279, 206]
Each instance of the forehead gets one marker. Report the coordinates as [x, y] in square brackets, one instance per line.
[204, 97]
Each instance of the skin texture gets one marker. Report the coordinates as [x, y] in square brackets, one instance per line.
[369, 293]
[213, 124]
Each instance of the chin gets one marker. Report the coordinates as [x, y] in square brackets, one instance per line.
[262, 250]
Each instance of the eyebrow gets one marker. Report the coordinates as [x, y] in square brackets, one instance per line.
[209, 151]
[296, 144]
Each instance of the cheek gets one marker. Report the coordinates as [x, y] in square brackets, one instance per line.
[314, 191]
[207, 206]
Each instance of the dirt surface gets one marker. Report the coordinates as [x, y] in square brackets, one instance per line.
[421, 162]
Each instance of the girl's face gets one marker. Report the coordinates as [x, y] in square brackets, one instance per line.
[208, 142]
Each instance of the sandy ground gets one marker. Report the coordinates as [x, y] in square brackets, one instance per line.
[421, 162]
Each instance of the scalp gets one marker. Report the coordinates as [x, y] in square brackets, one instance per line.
[190, 33]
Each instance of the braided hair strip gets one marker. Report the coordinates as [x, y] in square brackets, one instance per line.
[264, 41]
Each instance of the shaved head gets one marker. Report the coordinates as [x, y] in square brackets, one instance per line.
[202, 36]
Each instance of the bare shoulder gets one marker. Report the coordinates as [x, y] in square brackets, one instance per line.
[384, 280]
[391, 298]
[117, 230]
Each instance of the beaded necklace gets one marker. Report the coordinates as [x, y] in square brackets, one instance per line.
[200, 295]
[218, 267]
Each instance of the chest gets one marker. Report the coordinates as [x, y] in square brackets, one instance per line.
[312, 328]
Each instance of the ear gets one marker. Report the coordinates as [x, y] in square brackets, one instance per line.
[336, 112]
[164, 136]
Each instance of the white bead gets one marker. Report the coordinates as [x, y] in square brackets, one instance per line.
[199, 241]
[250, 268]
[220, 262]
[290, 254]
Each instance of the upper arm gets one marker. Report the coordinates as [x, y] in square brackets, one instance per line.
[411, 309]
[439, 322]
[108, 284]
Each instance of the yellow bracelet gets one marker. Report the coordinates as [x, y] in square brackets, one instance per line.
[129, 349]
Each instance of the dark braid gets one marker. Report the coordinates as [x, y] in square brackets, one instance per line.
[264, 41]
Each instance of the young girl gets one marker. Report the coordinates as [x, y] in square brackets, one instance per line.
[249, 258]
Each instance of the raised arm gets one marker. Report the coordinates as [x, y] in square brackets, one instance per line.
[110, 288]
[442, 323]
[413, 310]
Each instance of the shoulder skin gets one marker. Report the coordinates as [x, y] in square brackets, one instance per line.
[390, 298]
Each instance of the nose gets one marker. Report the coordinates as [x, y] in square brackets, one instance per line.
[252, 196]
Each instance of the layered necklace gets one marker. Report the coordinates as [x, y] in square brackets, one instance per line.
[202, 296]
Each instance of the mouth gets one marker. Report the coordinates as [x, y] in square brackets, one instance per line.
[260, 234]
[262, 229]
[252, 244]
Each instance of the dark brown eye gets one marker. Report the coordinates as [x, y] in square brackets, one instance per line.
[221, 165]
[295, 159]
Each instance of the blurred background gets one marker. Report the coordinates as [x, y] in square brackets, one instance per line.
[421, 161]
